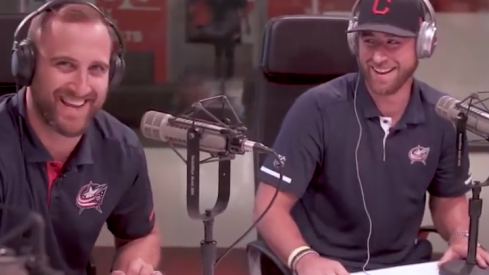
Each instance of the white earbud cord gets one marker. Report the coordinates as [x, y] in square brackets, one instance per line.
[360, 128]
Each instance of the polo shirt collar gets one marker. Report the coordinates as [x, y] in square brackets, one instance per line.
[34, 150]
[414, 113]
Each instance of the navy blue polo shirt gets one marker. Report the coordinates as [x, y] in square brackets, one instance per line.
[397, 166]
[104, 181]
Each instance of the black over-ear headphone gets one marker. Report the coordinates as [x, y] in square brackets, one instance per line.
[24, 52]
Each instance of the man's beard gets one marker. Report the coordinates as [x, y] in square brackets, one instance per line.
[46, 109]
[402, 75]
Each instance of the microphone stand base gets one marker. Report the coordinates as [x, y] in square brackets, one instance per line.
[461, 267]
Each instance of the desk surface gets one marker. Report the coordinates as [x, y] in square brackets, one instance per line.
[417, 269]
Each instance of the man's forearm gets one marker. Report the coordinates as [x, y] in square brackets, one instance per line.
[280, 232]
[449, 215]
[146, 248]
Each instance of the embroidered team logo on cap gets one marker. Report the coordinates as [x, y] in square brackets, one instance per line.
[419, 154]
[91, 196]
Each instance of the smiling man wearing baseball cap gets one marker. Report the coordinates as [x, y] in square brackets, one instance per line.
[361, 153]
[386, 36]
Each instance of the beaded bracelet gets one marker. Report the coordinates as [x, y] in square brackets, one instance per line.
[296, 252]
[461, 234]
[299, 256]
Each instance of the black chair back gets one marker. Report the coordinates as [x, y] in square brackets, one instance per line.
[299, 52]
[9, 23]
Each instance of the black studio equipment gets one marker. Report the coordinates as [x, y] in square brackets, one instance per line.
[317, 51]
[207, 21]
[218, 23]
[9, 22]
[200, 130]
[470, 114]
[31, 258]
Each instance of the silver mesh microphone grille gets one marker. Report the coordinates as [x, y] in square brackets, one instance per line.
[151, 125]
[446, 107]
[164, 127]
[477, 118]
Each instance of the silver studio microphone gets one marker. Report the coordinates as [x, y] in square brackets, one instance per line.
[477, 118]
[167, 128]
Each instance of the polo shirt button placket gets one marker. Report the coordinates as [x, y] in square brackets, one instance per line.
[55, 171]
[385, 123]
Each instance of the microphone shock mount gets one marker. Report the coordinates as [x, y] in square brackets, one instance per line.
[234, 134]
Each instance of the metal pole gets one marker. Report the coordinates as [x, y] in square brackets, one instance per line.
[315, 7]
[23, 6]
[259, 20]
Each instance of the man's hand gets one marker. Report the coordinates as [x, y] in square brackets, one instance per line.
[315, 265]
[137, 267]
[458, 250]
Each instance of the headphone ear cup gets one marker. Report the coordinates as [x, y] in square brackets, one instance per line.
[24, 62]
[426, 43]
[352, 37]
[14, 63]
[117, 69]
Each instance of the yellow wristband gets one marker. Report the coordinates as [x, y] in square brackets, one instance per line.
[294, 253]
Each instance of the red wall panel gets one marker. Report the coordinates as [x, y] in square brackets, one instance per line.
[143, 25]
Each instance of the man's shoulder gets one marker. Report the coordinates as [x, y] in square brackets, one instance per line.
[10, 150]
[430, 94]
[333, 91]
[8, 120]
[111, 130]
[6, 105]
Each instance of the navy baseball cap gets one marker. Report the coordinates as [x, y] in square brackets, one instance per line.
[396, 17]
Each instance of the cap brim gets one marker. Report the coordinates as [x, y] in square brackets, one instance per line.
[384, 28]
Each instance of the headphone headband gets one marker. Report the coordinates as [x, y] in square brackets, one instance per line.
[426, 37]
[426, 3]
[56, 4]
[24, 52]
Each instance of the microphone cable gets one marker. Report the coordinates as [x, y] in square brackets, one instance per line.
[278, 163]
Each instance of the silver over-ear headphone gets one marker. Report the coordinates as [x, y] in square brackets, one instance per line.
[426, 42]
